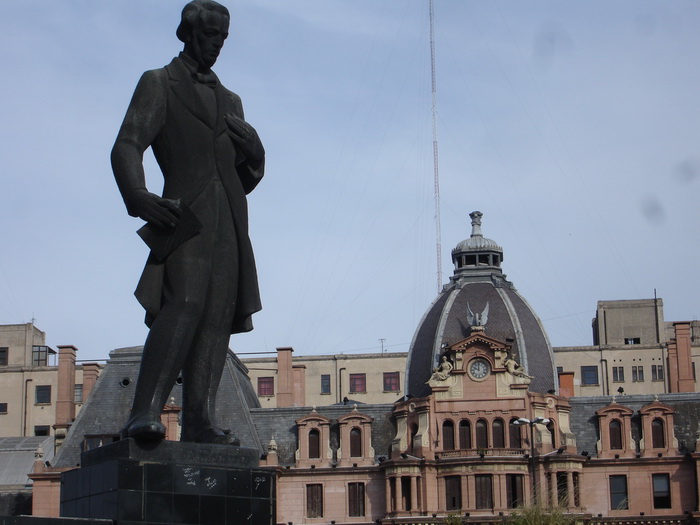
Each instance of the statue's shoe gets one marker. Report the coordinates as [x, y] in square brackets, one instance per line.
[144, 430]
[213, 435]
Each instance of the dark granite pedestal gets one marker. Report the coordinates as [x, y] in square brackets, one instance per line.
[170, 483]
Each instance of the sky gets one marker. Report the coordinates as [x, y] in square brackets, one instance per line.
[573, 126]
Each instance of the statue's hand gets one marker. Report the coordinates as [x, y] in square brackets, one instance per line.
[153, 209]
[245, 137]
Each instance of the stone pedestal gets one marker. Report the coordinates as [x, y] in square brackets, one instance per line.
[170, 483]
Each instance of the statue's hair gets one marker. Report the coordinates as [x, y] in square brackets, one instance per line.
[191, 14]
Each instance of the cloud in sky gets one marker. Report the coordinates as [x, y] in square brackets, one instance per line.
[573, 127]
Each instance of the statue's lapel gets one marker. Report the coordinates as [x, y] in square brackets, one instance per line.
[182, 86]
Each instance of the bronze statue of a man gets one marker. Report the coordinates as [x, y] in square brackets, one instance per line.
[200, 283]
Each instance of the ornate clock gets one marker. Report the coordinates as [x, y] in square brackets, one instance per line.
[479, 369]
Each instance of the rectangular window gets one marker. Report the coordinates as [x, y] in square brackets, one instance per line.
[662, 491]
[638, 373]
[632, 340]
[618, 493]
[4, 352]
[356, 499]
[40, 355]
[78, 394]
[657, 372]
[3, 408]
[42, 395]
[589, 375]
[618, 374]
[560, 370]
[314, 501]
[358, 383]
[391, 382]
[514, 490]
[325, 383]
[484, 491]
[266, 386]
[453, 492]
[42, 430]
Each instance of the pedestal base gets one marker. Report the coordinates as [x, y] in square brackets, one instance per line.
[170, 483]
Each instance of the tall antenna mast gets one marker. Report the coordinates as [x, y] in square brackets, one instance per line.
[436, 174]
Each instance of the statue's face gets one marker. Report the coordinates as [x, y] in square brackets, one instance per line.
[208, 37]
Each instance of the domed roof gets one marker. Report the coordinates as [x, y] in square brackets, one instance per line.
[479, 295]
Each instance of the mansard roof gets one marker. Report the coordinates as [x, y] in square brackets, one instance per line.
[107, 409]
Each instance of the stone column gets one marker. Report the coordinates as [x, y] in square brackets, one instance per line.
[570, 489]
[464, 482]
[552, 478]
[471, 492]
[498, 491]
[388, 495]
[414, 493]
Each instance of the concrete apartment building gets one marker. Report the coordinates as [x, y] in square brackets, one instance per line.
[318, 380]
[41, 389]
[634, 351]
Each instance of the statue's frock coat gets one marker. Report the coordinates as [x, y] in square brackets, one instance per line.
[192, 148]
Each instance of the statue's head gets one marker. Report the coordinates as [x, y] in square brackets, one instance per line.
[203, 29]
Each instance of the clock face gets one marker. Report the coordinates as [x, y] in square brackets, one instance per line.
[479, 368]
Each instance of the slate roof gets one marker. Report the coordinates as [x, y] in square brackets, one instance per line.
[17, 459]
[280, 423]
[509, 317]
[584, 422]
[107, 408]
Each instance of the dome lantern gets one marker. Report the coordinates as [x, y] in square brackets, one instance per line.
[476, 253]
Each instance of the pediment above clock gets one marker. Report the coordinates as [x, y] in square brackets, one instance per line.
[479, 339]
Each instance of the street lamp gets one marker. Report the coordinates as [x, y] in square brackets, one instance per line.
[531, 460]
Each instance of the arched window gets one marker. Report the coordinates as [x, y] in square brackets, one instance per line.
[412, 434]
[314, 444]
[615, 430]
[658, 437]
[514, 434]
[497, 431]
[356, 443]
[465, 434]
[448, 435]
[482, 434]
[552, 428]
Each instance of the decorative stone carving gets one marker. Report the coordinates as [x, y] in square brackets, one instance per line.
[441, 373]
[477, 320]
[516, 371]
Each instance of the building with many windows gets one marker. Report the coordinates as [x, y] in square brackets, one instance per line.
[41, 389]
[319, 380]
[482, 426]
[634, 352]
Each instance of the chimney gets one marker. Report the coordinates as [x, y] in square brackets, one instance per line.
[679, 351]
[285, 377]
[566, 384]
[65, 397]
[90, 373]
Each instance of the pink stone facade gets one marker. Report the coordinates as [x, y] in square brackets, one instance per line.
[482, 445]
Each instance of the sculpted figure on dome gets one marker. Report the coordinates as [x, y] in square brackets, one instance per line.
[516, 370]
[442, 372]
